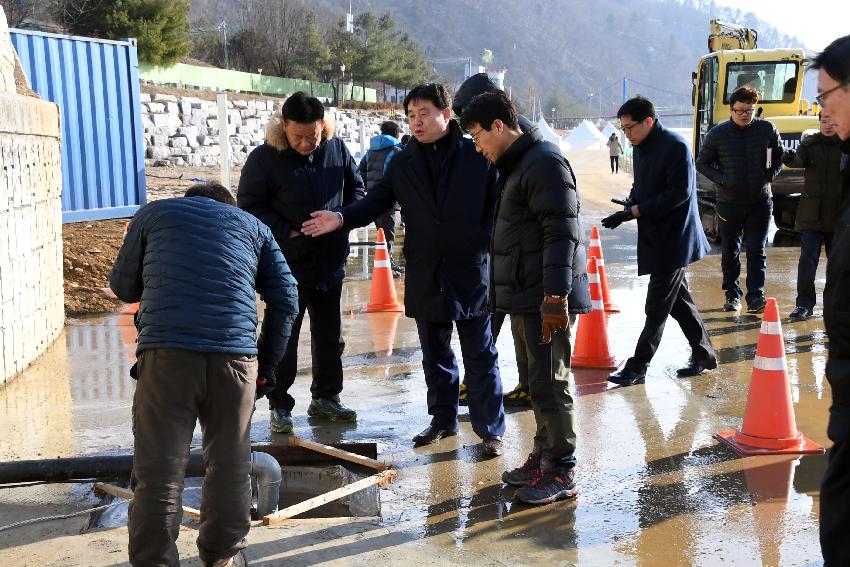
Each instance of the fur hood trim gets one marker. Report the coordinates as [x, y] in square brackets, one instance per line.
[276, 137]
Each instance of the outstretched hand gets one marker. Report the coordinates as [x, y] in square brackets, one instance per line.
[618, 218]
[322, 222]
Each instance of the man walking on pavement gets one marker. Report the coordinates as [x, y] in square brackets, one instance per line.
[538, 277]
[447, 193]
[818, 209]
[615, 148]
[302, 167]
[195, 264]
[382, 148]
[742, 156]
[833, 67]
[670, 237]
[475, 85]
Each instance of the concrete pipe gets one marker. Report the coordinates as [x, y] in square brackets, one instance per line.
[265, 470]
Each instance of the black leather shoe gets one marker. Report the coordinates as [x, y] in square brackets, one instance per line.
[800, 314]
[627, 377]
[492, 446]
[432, 434]
[695, 368]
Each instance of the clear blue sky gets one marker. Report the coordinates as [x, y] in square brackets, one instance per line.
[815, 23]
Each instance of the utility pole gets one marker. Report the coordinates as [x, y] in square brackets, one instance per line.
[223, 27]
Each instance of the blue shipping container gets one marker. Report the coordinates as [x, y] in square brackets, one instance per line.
[95, 82]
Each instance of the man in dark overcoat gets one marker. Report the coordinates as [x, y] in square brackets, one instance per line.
[670, 237]
[447, 193]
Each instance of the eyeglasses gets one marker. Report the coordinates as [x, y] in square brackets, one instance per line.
[475, 135]
[821, 98]
[743, 111]
[628, 129]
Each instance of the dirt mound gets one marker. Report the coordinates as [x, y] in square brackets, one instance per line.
[89, 250]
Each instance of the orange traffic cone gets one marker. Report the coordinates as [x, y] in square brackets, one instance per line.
[595, 250]
[769, 426]
[591, 348]
[383, 327]
[382, 297]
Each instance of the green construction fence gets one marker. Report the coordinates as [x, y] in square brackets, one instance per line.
[193, 76]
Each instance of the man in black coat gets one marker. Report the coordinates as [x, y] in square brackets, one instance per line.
[742, 156]
[670, 237]
[833, 67]
[447, 193]
[538, 276]
[300, 168]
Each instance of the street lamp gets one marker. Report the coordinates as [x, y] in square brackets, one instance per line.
[260, 71]
[341, 87]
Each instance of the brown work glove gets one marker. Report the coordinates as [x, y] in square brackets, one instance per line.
[555, 316]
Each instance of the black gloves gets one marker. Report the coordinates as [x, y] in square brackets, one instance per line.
[266, 378]
[555, 317]
[615, 220]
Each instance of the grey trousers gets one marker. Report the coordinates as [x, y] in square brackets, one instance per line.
[174, 389]
[548, 370]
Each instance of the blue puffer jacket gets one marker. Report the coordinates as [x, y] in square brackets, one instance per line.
[194, 264]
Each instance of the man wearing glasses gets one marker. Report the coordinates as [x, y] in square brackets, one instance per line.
[742, 156]
[670, 238]
[833, 67]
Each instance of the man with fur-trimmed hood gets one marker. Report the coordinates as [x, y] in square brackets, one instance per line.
[301, 168]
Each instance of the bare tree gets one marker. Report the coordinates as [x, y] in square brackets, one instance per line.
[17, 11]
[282, 36]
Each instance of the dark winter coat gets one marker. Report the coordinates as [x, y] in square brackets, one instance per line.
[381, 149]
[195, 266]
[820, 202]
[670, 234]
[281, 188]
[735, 159]
[537, 245]
[446, 240]
[836, 316]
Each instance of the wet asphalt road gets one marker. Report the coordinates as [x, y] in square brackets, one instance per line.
[654, 487]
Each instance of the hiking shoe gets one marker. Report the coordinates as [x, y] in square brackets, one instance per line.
[281, 420]
[756, 306]
[733, 304]
[549, 486]
[462, 399]
[800, 314]
[521, 476]
[331, 409]
[519, 396]
[492, 446]
[237, 560]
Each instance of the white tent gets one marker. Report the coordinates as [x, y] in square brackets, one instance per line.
[551, 136]
[586, 136]
[611, 129]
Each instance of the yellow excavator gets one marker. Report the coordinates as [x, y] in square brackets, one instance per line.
[734, 60]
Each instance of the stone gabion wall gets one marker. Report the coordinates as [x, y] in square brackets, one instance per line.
[31, 287]
[184, 130]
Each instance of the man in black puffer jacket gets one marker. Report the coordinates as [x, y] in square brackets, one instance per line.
[194, 264]
[302, 167]
[538, 276]
[742, 156]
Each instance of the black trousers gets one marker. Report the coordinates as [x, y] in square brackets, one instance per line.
[807, 267]
[835, 491]
[750, 222]
[326, 346]
[668, 295]
[615, 164]
[389, 221]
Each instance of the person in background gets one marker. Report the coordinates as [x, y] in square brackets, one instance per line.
[195, 264]
[818, 209]
[299, 167]
[615, 148]
[539, 278]
[372, 167]
[833, 66]
[670, 237]
[742, 156]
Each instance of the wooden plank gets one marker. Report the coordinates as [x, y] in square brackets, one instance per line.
[292, 455]
[320, 521]
[339, 453]
[128, 495]
[287, 513]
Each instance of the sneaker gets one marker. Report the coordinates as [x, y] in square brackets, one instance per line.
[281, 420]
[237, 560]
[492, 446]
[800, 314]
[733, 304]
[463, 400]
[519, 396]
[549, 486]
[756, 306]
[331, 409]
[521, 476]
